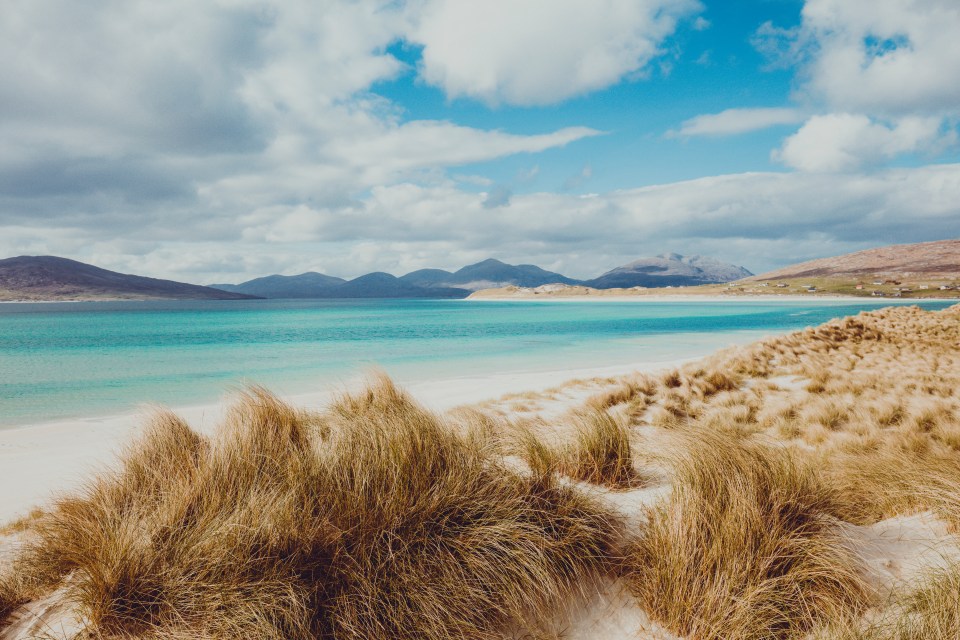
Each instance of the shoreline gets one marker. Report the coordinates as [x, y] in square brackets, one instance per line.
[708, 298]
[41, 460]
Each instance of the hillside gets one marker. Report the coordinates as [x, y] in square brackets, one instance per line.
[926, 260]
[486, 274]
[385, 285]
[304, 285]
[54, 278]
[923, 270]
[669, 270]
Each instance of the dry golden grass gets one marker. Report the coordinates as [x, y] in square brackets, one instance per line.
[12, 595]
[374, 520]
[929, 612]
[596, 449]
[744, 546]
[21, 524]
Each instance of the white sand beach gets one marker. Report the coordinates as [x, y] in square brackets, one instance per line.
[38, 461]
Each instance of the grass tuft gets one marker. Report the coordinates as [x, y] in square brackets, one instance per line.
[743, 547]
[601, 452]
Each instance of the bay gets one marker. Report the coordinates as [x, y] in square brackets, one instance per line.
[74, 360]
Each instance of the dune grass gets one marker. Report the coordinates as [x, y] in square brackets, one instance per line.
[931, 611]
[12, 595]
[596, 449]
[744, 546]
[373, 520]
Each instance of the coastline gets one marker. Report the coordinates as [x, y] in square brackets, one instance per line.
[706, 298]
[41, 460]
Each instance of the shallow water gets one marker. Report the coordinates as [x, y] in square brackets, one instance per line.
[65, 360]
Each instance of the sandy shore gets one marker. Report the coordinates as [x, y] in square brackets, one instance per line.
[739, 298]
[38, 461]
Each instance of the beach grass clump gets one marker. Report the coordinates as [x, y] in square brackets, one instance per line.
[927, 611]
[590, 445]
[12, 594]
[744, 546]
[372, 520]
[600, 453]
[632, 390]
[889, 481]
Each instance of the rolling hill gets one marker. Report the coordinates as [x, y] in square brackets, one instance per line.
[938, 260]
[54, 278]
[486, 274]
[385, 285]
[306, 285]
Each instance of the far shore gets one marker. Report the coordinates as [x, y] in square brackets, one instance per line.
[657, 297]
[748, 297]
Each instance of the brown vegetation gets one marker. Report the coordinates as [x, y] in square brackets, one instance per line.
[371, 521]
[743, 547]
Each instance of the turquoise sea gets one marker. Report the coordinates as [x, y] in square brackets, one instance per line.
[65, 360]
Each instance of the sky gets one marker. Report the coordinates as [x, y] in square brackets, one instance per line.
[221, 140]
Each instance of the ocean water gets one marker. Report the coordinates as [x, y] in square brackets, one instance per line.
[67, 360]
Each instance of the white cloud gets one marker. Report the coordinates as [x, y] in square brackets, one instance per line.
[221, 106]
[540, 51]
[735, 121]
[758, 220]
[845, 142]
[882, 74]
[884, 57]
[429, 143]
[245, 140]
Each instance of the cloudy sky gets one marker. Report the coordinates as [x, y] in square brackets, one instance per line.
[219, 140]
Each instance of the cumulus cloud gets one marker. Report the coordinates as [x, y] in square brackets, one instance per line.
[757, 220]
[541, 51]
[881, 72]
[845, 142]
[735, 121]
[884, 57]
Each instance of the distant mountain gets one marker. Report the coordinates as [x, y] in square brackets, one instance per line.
[487, 274]
[318, 285]
[306, 285]
[427, 277]
[669, 269]
[384, 285]
[931, 260]
[54, 278]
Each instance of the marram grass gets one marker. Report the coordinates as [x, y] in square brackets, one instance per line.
[371, 521]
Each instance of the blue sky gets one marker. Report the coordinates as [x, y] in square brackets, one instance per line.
[220, 140]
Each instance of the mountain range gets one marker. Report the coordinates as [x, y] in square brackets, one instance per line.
[55, 278]
[669, 269]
